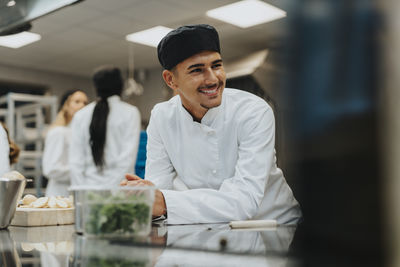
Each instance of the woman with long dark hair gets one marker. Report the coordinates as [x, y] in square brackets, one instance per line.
[55, 155]
[105, 134]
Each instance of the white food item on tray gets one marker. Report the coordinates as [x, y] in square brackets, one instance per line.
[40, 202]
[28, 199]
[54, 202]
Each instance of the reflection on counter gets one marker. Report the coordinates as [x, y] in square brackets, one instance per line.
[9, 255]
[50, 246]
[179, 245]
[49, 259]
[106, 252]
[219, 237]
[176, 257]
[218, 245]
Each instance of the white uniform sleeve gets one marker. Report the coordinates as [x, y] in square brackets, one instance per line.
[55, 162]
[239, 197]
[129, 149]
[4, 152]
[77, 152]
[159, 169]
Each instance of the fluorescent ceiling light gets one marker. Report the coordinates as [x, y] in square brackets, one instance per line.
[247, 13]
[11, 3]
[20, 39]
[150, 37]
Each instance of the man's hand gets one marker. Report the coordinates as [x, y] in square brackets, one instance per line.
[134, 180]
[159, 206]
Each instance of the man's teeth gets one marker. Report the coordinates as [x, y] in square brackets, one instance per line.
[208, 91]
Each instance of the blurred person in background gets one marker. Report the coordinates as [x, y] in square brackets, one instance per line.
[105, 134]
[55, 156]
[9, 151]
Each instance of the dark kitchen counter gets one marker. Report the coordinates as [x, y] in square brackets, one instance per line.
[180, 245]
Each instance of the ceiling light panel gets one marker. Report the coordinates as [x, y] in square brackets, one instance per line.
[150, 37]
[247, 13]
[19, 40]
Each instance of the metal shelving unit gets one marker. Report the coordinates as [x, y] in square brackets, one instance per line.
[25, 116]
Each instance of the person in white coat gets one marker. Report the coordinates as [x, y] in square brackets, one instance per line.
[9, 151]
[4, 151]
[105, 134]
[214, 144]
[55, 155]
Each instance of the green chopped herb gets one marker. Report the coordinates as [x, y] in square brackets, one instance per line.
[116, 214]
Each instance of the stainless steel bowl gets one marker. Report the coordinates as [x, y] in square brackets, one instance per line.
[9, 193]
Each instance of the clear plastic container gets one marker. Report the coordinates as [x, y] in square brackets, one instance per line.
[116, 212]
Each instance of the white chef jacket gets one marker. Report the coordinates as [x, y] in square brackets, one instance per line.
[225, 165]
[4, 152]
[120, 151]
[55, 161]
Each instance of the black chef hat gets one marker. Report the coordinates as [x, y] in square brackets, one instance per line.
[185, 42]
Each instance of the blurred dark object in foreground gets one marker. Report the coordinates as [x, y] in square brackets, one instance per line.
[333, 132]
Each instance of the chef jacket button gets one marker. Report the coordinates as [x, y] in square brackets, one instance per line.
[214, 171]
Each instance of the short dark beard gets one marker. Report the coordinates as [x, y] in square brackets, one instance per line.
[205, 107]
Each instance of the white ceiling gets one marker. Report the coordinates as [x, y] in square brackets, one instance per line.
[78, 38]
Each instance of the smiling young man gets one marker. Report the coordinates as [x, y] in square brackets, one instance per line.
[210, 149]
[199, 81]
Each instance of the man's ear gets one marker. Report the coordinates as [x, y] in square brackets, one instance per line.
[169, 79]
